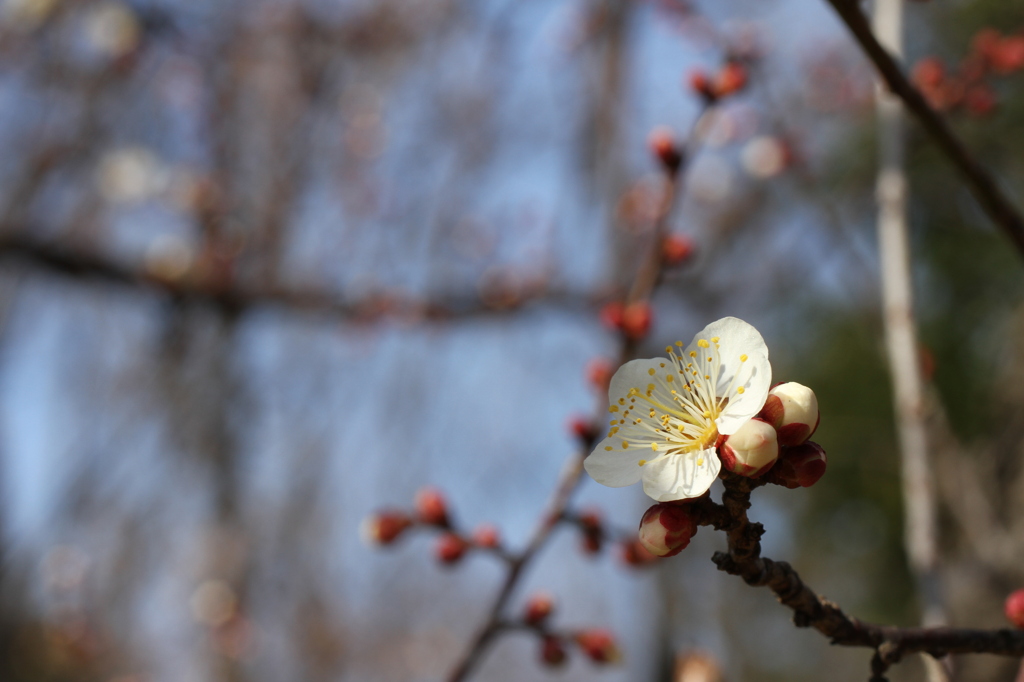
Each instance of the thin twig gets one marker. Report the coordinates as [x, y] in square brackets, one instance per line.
[810, 610]
[982, 184]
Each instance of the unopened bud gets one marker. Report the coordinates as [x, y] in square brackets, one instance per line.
[538, 608]
[731, 79]
[700, 83]
[487, 536]
[384, 527]
[611, 315]
[636, 320]
[752, 450]
[552, 651]
[635, 554]
[599, 374]
[431, 507]
[1014, 608]
[676, 249]
[799, 466]
[599, 646]
[792, 409]
[666, 529]
[664, 147]
[593, 531]
[582, 428]
[450, 548]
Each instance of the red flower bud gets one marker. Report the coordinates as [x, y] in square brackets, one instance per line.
[487, 536]
[636, 320]
[1009, 55]
[662, 144]
[450, 548]
[1014, 608]
[611, 315]
[666, 529]
[593, 531]
[752, 450]
[384, 527]
[538, 608]
[676, 249]
[599, 373]
[980, 100]
[431, 507]
[635, 554]
[799, 466]
[552, 651]
[599, 646]
[700, 83]
[928, 73]
[582, 428]
[731, 79]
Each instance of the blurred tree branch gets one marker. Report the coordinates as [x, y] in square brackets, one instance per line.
[982, 184]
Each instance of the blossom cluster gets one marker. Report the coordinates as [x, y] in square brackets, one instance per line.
[679, 422]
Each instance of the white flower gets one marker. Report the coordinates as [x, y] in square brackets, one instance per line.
[667, 414]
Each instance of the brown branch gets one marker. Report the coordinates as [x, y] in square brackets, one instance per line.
[982, 184]
[85, 265]
[810, 610]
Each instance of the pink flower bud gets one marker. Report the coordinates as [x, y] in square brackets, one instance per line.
[611, 315]
[752, 450]
[450, 548]
[538, 608]
[1014, 608]
[666, 529]
[664, 147]
[599, 645]
[431, 507]
[799, 466]
[599, 373]
[582, 428]
[593, 532]
[636, 319]
[676, 249]
[384, 527]
[792, 409]
[731, 79]
[701, 84]
[552, 651]
[486, 536]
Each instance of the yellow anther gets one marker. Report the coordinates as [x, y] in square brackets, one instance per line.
[743, 358]
[622, 401]
[613, 408]
[615, 429]
[642, 462]
[662, 364]
[654, 446]
[608, 448]
[669, 377]
[741, 390]
[650, 387]
[708, 377]
[700, 462]
[703, 344]
[679, 343]
[714, 339]
[707, 415]
[709, 358]
[625, 444]
[651, 371]
[693, 353]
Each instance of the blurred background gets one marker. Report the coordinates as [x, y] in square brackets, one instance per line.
[269, 266]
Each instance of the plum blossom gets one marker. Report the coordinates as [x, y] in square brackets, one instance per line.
[667, 413]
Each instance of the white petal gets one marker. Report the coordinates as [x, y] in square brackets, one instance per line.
[678, 477]
[614, 468]
[637, 374]
[755, 377]
[735, 338]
